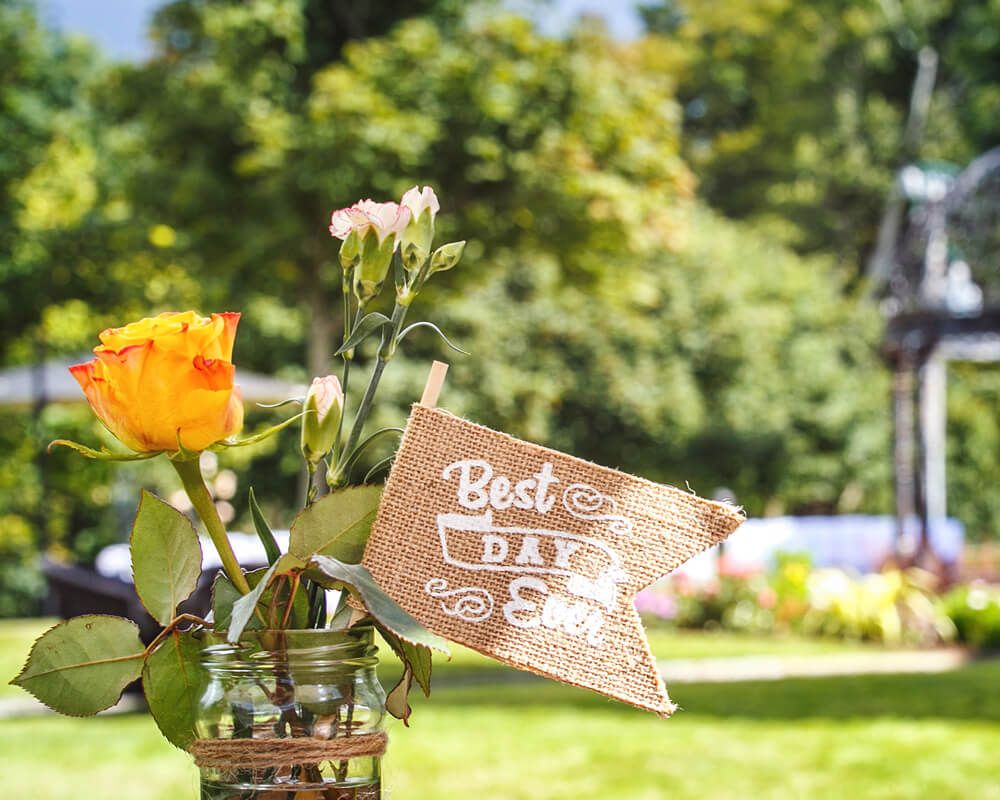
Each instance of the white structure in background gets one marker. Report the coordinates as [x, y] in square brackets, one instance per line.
[115, 561]
[849, 541]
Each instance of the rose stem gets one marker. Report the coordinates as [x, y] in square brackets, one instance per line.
[190, 474]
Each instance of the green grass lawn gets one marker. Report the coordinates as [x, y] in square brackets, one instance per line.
[907, 736]
[665, 644]
[16, 637]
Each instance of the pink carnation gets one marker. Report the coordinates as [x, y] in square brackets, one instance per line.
[344, 221]
[418, 200]
[383, 218]
[327, 391]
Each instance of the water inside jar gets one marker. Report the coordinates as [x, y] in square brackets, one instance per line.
[350, 790]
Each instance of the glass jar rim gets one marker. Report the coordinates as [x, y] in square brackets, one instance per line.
[315, 647]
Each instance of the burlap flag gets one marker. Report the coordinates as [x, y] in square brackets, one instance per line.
[532, 556]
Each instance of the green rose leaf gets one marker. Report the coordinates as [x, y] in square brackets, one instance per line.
[243, 608]
[171, 680]
[263, 530]
[166, 557]
[225, 595]
[397, 702]
[417, 665]
[331, 572]
[81, 666]
[415, 657]
[338, 525]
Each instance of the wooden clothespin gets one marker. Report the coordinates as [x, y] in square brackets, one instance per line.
[435, 380]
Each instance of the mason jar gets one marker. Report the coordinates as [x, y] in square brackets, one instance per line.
[291, 714]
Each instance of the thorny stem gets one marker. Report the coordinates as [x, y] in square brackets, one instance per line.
[293, 587]
[171, 626]
[194, 484]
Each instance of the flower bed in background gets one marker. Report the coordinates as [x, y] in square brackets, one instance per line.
[895, 607]
[975, 611]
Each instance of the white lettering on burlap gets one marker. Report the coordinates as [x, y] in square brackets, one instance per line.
[470, 492]
[478, 488]
[522, 492]
[564, 549]
[544, 479]
[500, 496]
[574, 618]
[481, 489]
[529, 552]
[518, 603]
[494, 549]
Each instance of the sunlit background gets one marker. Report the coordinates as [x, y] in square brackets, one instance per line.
[748, 248]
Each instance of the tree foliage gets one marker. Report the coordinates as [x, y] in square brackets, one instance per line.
[796, 113]
[610, 315]
[795, 120]
[610, 312]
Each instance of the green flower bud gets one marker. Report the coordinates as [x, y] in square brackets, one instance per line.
[350, 252]
[414, 253]
[419, 233]
[376, 258]
[323, 408]
[447, 256]
[415, 243]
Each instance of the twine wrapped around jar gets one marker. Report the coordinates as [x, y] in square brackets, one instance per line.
[235, 754]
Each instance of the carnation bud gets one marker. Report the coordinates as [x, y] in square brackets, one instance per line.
[323, 408]
[447, 256]
[376, 258]
[415, 242]
[350, 252]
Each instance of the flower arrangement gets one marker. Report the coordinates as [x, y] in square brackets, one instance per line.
[167, 386]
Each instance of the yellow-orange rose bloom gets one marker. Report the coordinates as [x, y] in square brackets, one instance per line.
[165, 380]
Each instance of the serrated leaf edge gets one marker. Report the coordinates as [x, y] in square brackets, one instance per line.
[201, 554]
[291, 530]
[145, 669]
[15, 681]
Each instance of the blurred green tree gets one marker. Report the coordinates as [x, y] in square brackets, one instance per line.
[51, 217]
[558, 157]
[796, 114]
[233, 167]
[796, 118]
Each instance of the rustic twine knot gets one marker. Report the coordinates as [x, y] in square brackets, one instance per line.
[229, 754]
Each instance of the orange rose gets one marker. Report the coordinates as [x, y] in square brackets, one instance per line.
[166, 380]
